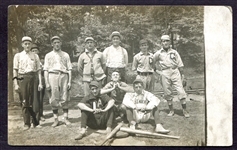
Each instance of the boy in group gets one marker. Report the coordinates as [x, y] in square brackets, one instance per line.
[140, 105]
[171, 72]
[143, 66]
[57, 74]
[116, 57]
[26, 67]
[96, 110]
[117, 89]
[91, 64]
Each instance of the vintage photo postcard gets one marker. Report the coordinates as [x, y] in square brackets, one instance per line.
[83, 75]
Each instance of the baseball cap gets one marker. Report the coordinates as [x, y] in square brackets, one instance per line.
[55, 37]
[94, 83]
[115, 33]
[165, 37]
[143, 41]
[137, 81]
[90, 38]
[34, 46]
[26, 38]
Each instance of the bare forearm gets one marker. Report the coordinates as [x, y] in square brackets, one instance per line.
[40, 78]
[15, 74]
[69, 76]
[105, 91]
[46, 77]
[82, 106]
[110, 104]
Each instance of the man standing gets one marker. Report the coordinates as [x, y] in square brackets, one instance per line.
[26, 67]
[90, 65]
[171, 73]
[96, 111]
[38, 95]
[143, 66]
[116, 57]
[140, 105]
[57, 73]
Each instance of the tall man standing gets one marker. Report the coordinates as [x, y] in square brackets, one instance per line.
[26, 67]
[57, 73]
[171, 73]
[116, 57]
[143, 65]
[90, 65]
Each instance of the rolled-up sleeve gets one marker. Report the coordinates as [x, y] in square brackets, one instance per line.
[16, 61]
[127, 100]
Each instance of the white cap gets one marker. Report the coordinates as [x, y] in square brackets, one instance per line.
[115, 33]
[26, 38]
[165, 37]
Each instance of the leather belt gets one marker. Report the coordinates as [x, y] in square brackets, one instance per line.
[169, 68]
[144, 73]
[28, 73]
[58, 72]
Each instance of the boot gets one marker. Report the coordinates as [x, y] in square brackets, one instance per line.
[186, 114]
[66, 121]
[81, 134]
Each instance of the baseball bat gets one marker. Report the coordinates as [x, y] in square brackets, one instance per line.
[147, 133]
[113, 132]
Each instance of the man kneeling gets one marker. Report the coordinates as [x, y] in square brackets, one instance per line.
[140, 105]
[96, 111]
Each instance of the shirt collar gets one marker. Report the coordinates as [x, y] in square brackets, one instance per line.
[87, 51]
[141, 53]
[170, 49]
[143, 92]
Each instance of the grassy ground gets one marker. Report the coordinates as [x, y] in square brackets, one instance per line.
[191, 130]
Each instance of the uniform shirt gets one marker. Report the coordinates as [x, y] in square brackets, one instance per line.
[169, 59]
[117, 94]
[26, 62]
[115, 57]
[100, 102]
[133, 100]
[143, 63]
[88, 65]
[57, 61]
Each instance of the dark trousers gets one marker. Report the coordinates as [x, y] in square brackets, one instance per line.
[97, 121]
[155, 113]
[36, 98]
[27, 92]
[41, 102]
[109, 72]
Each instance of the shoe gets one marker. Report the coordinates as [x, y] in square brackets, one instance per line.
[171, 113]
[81, 134]
[26, 127]
[132, 125]
[121, 134]
[38, 126]
[186, 114]
[55, 123]
[67, 122]
[108, 130]
[42, 118]
[160, 129]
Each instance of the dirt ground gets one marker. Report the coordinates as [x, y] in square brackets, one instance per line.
[191, 130]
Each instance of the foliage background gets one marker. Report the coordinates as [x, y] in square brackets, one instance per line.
[73, 23]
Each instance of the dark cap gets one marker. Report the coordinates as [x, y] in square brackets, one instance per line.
[34, 46]
[143, 41]
[94, 83]
[115, 33]
[137, 81]
[55, 37]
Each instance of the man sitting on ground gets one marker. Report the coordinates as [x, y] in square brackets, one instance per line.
[96, 111]
[140, 105]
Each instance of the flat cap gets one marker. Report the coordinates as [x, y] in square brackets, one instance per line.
[94, 83]
[143, 41]
[90, 38]
[55, 37]
[34, 46]
[165, 37]
[26, 38]
[115, 33]
[137, 81]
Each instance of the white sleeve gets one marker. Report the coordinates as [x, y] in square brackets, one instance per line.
[127, 101]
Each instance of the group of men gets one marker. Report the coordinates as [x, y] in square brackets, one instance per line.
[107, 96]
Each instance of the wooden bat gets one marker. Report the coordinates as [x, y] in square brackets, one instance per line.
[147, 133]
[113, 132]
